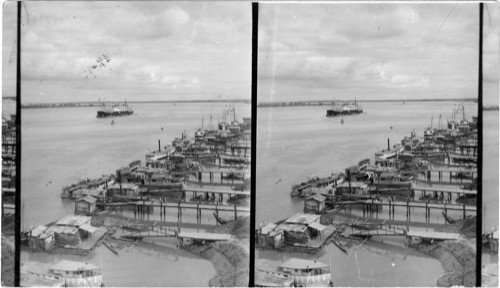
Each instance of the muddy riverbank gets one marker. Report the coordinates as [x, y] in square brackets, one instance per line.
[7, 261]
[489, 275]
[230, 259]
[458, 257]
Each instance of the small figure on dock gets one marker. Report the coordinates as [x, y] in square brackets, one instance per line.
[112, 122]
[342, 121]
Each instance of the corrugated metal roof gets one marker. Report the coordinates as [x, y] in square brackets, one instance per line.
[303, 218]
[62, 229]
[317, 197]
[37, 231]
[88, 199]
[74, 220]
[292, 227]
[268, 228]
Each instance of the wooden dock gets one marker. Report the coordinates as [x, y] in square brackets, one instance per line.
[452, 169]
[370, 229]
[432, 235]
[203, 236]
[216, 191]
[442, 189]
[372, 208]
[395, 230]
[223, 170]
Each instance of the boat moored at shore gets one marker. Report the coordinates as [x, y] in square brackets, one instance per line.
[304, 273]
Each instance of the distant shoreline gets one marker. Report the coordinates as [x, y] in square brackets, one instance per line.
[259, 105]
[100, 104]
[327, 103]
[490, 108]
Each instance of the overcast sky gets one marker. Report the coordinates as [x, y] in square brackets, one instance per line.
[372, 51]
[198, 50]
[86, 51]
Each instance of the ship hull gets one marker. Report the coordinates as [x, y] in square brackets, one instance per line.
[104, 114]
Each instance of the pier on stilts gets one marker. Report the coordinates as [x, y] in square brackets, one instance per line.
[144, 207]
[371, 208]
[382, 229]
[210, 194]
[441, 190]
[174, 232]
[212, 170]
[367, 230]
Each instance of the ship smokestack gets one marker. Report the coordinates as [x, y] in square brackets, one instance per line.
[159, 146]
[388, 144]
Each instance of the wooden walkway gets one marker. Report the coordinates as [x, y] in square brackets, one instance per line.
[197, 184]
[185, 205]
[152, 231]
[215, 191]
[162, 231]
[436, 184]
[442, 189]
[371, 208]
[203, 236]
[377, 230]
[452, 169]
[213, 169]
[394, 230]
[432, 235]
[427, 205]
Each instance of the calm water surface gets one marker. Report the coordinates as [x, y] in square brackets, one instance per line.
[62, 145]
[296, 142]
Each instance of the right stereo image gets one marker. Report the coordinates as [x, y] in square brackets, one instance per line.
[377, 145]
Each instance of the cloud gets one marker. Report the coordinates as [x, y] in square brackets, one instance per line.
[138, 51]
[424, 50]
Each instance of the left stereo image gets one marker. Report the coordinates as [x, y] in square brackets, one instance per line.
[136, 142]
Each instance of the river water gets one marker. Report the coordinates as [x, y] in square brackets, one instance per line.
[296, 142]
[62, 145]
[59, 146]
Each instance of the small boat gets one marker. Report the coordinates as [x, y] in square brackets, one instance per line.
[78, 274]
[87, 184]
[68, 273]
[304, 273]
[110, 247]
